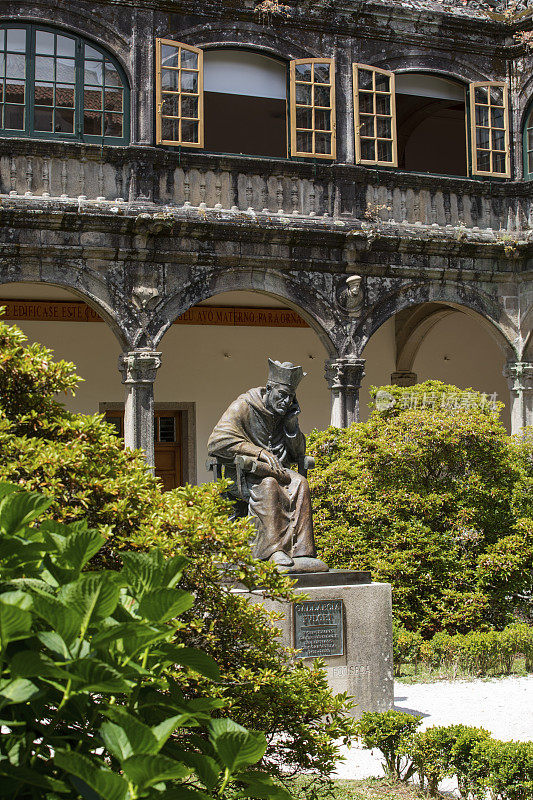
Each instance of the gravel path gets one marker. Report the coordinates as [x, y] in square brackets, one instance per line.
[503, 706]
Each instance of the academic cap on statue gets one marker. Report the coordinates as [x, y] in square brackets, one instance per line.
[285, 373]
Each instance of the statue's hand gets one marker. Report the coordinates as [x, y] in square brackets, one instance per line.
[273, 463]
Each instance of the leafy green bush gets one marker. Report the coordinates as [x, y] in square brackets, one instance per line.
[504, 769]
[432, 500]
[90, 701]
[391, 733]
[407, 647]
[80, 465]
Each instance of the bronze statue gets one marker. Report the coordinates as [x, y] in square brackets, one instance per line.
[256, 441]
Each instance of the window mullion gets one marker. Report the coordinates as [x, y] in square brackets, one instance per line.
[78, 90]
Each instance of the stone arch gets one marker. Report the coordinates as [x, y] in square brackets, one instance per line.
[101, 305]
[298, 293]
[458, 296]
[527, 327]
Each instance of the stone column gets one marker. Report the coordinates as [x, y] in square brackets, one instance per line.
[519, 376]
[139, 368]
[344, 376]
[403, 378]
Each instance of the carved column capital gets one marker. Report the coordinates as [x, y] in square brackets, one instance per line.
[139, 366]
[519, 375]
[403, 378]
[346, 372]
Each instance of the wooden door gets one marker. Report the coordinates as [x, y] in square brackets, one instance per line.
[167, 444]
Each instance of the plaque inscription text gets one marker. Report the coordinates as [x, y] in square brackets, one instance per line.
[319, 628]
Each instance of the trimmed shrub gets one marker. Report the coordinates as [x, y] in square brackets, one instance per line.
[390, 732]
[426, 499]
[505, 769]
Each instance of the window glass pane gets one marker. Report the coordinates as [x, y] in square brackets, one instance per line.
[482, 115]
[303, 72]
[382, 82]
[43, 119]
[170, 79]
[94, 73]
[92, 99]
[44, 94]
[90, 52]
[323, 143]
[189, 131]
[65, 46]
[64, 120]
[44, 68]
[530, 163]
[170, 129]
[496, 117]
[189, 60]
[496, 95]
[15, 67]
[189, 81]
[304, 94]
[323, 96]
[322, 73]
[483, 160]
[44, 43]
[364, 78]
[366, 126]
[481, 94]
[368, 150]
[304, 118]
[323, 120]
[384, 127]
[2, 65]
[304, 142]
[366, 102]
[167, 429]
[112, 78]
[113, 100]
[65, 70]
[530, 138]
[112, 124]
[498, 139]
[2, 38]
[92, 123]
[498, 162]
[482, 137]
[383, 104]
[189, 106]
[169, 56]
[171, 105]
[14, 118]
[16, 40]
[15, 91]
[64, 96]
[384, 151]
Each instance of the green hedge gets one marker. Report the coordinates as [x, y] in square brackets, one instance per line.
[481, 765]
[477, 653]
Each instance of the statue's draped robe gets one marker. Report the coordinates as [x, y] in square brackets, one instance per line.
[282, 514]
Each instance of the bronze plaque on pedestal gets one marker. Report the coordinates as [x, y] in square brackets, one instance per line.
[319, 628]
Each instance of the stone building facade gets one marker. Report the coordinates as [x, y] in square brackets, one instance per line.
[396, 191]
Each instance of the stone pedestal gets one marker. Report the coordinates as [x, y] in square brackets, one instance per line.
[364, 669]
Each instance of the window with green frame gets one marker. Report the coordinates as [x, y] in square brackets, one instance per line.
[55, 85]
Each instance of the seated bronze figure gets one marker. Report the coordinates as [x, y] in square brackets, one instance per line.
[255, 443]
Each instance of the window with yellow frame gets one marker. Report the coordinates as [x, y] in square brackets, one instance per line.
[179, 94]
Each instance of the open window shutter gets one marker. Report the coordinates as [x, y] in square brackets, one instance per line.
[179, 94]
[489, 126]
[312, 101]
[374, 116]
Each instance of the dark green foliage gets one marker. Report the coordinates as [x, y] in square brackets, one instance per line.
[78, 463]
[390, 732]
[90, 702]
[432, 500]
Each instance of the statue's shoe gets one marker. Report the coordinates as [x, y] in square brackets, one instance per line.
[308, 564]
[281, 559]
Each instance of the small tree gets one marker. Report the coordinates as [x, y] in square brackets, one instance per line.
[80, 465]
[430, 498]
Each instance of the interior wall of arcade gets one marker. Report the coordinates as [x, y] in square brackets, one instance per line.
[209, 365]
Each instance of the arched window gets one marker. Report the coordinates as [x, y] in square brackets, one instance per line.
[55, 85]
[528, 144]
